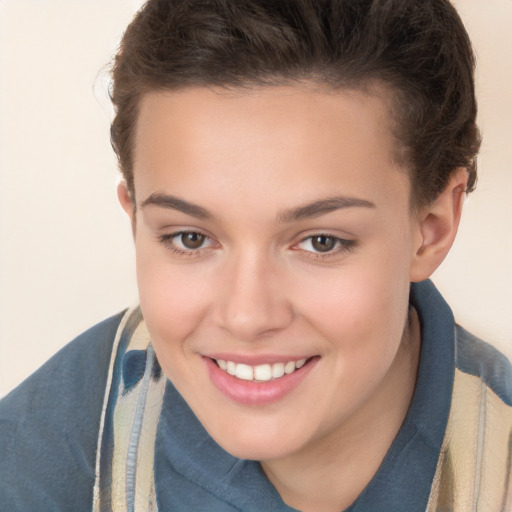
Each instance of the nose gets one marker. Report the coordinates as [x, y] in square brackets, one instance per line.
[253, 302]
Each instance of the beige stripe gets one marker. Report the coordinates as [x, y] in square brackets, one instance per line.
[473, 472]
[120, 329]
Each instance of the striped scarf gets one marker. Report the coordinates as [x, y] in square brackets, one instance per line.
[131, 410]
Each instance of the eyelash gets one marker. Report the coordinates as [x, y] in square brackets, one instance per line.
[168, 241]
[342, 245]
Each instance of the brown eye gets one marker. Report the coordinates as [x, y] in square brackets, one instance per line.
[192, 240]
[323, 243]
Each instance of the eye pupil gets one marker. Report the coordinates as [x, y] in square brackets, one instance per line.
[192, 240]
[323, 243]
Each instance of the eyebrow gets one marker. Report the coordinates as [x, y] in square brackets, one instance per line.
[322, 207]
[308, 211]
[175, 203]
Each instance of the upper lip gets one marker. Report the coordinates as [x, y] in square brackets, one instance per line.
[257, 359]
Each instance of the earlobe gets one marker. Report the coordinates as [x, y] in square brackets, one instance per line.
[438, 227]
[124, 198]
[126, 202]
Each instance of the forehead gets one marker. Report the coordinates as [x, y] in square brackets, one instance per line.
[299, 139]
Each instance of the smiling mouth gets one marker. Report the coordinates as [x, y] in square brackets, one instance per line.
[262, 372]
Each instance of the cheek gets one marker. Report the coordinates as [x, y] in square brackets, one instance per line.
[173, 298]
[360, 308]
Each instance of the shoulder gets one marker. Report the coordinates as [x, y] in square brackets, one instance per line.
[480, 421]
[49, 426]
[473, 468]
[479, 359]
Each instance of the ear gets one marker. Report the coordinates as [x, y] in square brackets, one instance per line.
[437, 227]
[126, 202]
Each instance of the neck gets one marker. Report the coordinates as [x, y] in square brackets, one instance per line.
[331, 474]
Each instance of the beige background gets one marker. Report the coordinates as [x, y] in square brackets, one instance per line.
[66, 259]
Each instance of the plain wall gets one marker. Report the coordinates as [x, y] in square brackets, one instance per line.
[66, 257]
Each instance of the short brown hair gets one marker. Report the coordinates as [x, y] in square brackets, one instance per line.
[418, 48]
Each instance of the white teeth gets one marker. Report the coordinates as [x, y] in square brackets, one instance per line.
[289, 367]
[262, 372]
[231, 368]
[277, 370]
[244, 372]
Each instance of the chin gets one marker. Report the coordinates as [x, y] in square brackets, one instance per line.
[261, 451]
[256, 441]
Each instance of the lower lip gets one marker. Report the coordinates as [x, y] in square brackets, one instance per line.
[248, 392]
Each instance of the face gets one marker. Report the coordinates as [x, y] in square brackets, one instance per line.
[274, 243]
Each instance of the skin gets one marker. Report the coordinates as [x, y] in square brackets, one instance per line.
[258, 287]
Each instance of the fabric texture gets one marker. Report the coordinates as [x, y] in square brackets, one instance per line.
[49, 428]
[100, 428]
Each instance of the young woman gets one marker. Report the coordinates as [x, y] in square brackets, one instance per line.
[294, 172]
